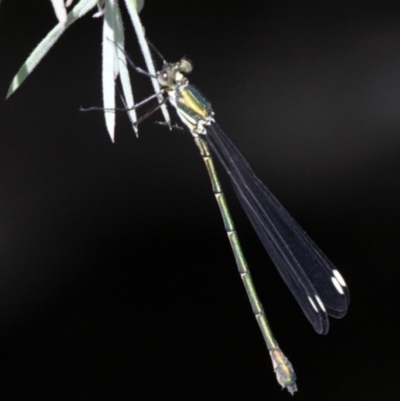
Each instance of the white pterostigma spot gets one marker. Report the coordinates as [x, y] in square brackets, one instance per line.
[338, 287]
[321, 305]
[339, 278]
[312, 304]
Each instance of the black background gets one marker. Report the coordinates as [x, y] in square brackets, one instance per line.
[117, 281]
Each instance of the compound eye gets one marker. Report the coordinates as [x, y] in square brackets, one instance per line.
[164, 78]
[185, 66]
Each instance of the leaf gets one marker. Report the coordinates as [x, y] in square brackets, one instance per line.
[131, 6]
[123, 69]
[60, 10]
[109, 67]
[45, 45]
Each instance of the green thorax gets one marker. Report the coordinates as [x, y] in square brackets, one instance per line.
[192, 108]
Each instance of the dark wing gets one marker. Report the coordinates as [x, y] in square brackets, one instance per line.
[315, 283]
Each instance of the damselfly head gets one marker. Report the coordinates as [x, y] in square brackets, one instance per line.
[166, 76]
[174, 73]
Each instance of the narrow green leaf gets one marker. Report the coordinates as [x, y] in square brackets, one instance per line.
[137, 25]
[60, 10]
[139, 5]
[45, 45]
[109, 67]
[123, 69]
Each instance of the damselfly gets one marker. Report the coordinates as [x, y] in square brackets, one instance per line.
[315, 283]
